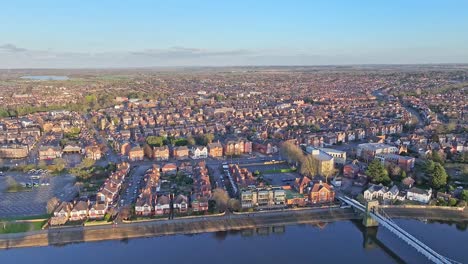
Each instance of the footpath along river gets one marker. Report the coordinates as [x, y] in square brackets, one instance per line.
[342, 241]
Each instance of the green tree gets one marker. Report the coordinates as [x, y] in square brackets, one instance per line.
[429, 166]
[87, 163]
[453, 202]
[211, 206]
[464, 195]
[155, 141]
[377, 172]
[439, 176]
[436, 157]
[60, 164]
[403, 174]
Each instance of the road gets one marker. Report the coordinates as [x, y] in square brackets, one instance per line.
[132, 185]
[415, 113]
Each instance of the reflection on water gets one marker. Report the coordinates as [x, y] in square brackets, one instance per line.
[334, 242]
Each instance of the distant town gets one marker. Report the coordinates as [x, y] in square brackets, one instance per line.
[126, 146]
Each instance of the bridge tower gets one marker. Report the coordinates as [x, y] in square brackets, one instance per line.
[367, 220]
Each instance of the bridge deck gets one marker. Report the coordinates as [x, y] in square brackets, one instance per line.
[398, 231]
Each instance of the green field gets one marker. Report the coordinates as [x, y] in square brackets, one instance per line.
[279, 171]
[19, 227]
[31, 217]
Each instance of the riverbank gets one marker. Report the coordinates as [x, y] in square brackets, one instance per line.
[177, 226]
[197, 225]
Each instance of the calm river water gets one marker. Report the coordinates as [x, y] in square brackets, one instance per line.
[338, 242]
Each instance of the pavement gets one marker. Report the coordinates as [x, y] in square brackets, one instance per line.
[34, 200]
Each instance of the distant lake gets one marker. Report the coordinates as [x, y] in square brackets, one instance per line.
[45, 77]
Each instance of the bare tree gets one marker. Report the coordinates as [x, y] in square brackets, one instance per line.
[234, 204]
[291, 152]
[309, 166]
[52, 204]
[221, 197]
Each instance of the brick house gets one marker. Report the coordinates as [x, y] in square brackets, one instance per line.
[321, 193]
[97, 211]
[215, 150]
[49, 152]
[79, 211]
[93, 152]
[162, 205]
[181, 152]
[136, 153]
[161, 153]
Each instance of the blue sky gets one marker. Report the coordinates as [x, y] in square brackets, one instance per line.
[177, 33]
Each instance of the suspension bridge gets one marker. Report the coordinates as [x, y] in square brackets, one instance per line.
[377, 216]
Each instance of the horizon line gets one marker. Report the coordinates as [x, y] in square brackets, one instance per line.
[240, 66]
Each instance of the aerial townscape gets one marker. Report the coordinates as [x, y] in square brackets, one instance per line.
[233, 132]
[126, 147]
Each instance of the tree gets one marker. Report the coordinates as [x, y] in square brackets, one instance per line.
[403, 174]
[291, 152]
[12, 184]
[436, 157]
[87, 163]
[309, 166]
[222, 198]
[453, 202]
[328, 169]
[377, 172]
[191, 141]
[234, 204]
[209, 138]
[155, 141]
[395, 170]
[51, 204]
[60, 164]
[42, 165]
[125, 213]
[429, 166]
[464, 195]
[439, 176]
[148, 151]
[211, 206]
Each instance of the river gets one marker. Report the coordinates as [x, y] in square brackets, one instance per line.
[336, 242]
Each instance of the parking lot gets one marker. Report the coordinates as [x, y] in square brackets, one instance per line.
[279, 179]
[274, 178]
[33, 200]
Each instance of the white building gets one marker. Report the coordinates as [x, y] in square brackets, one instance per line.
[199, 152]
[339, 157]
[419, 195]
[381, 192]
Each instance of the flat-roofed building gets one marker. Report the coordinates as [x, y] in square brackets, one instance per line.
[14, 151]
[325, 162]
[369, 150]
[268, 196]
[339, 156]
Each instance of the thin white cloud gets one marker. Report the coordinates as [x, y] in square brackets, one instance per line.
[183, 52]
[11, 48]
[12, 56]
